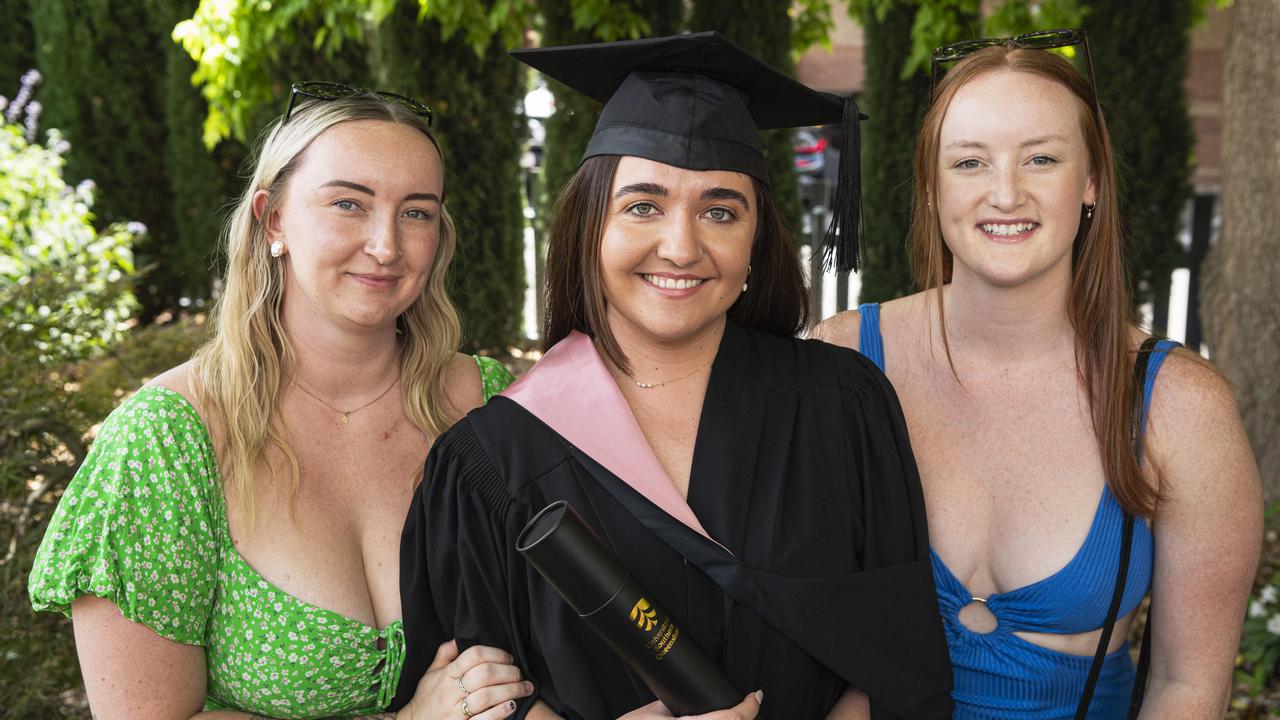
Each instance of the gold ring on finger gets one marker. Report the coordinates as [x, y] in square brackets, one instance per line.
[466, 711]
[463, 688]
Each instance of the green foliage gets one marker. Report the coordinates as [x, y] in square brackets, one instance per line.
[895, 109]
[1018, 16]
[763, 28]
[64, 290]
[236, 43]
[1259, 659]
[1140, 51]
[1260, 641]
[811, 24]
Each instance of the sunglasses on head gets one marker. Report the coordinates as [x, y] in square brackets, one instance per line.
[1038, 40]
[322, 90]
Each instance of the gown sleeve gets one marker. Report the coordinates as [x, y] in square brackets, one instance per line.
[137, 524]
[458, 561]
[905, 652]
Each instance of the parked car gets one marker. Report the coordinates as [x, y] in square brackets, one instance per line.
[810, 152]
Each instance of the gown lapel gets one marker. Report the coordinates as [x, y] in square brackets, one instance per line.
[572, 392]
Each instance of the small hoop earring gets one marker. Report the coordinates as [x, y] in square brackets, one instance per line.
[277, 248]
[1088, 212]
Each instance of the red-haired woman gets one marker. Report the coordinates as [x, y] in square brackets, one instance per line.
[1016, 371]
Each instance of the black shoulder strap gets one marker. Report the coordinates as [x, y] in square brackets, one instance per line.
[1126, 545]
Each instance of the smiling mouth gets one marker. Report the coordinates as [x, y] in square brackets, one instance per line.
[667, 283]
[1008, 229]
[376, 280]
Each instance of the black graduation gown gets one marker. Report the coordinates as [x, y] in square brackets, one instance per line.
[802, 471]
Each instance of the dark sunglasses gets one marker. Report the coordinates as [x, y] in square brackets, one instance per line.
[321, 90]
[1038, 40]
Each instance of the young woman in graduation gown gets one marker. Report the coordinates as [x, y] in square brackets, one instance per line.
[761, 487]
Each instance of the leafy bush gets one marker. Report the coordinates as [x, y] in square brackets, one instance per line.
[63, 298]
[1260, 643]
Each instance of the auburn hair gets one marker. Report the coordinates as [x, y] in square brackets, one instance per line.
[777, 303]
[1099, 306]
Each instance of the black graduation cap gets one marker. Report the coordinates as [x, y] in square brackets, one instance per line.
[698, 101]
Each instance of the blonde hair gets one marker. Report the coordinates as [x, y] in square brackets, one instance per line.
[239, 372]
[1098, 306]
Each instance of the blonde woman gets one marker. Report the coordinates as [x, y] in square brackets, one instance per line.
[229, 548]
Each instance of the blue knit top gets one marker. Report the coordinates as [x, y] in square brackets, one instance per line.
[1000, 676]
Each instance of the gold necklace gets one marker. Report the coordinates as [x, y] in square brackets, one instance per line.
[648, 386]
[346, 414]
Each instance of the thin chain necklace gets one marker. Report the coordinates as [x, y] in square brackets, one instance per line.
[346, 414]
[648, 386]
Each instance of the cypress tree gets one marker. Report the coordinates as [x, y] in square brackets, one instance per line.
[896, 108]
[569, 128]
[202, 183]
[763, 28]
[17, 51]
[104, 74]
[1140, 52]
[476, 100]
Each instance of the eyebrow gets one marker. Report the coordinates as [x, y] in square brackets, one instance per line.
[715, 193]
[369, 191]
[723, 193]
[1043, 139]
[644, 188]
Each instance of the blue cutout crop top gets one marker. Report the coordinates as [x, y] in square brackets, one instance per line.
[1000, 676]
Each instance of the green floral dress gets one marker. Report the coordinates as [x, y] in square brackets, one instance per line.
[144, 525]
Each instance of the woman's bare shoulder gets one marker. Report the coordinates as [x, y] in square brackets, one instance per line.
[844, 328]
[463, 386]
[1195, 433]
[839, 329]
[177, 379]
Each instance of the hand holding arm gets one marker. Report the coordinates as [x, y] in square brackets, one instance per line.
[480, 683]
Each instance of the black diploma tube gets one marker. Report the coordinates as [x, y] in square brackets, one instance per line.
[560, 546]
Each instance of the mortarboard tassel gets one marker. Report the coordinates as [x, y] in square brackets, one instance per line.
[844, 235]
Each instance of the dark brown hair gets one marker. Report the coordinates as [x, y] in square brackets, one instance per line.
[1099, 306]
[776, 302]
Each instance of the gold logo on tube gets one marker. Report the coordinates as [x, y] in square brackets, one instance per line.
[643, 615]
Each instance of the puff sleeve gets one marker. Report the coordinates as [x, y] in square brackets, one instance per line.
[139, 524]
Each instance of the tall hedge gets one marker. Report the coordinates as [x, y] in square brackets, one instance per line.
[104, 73]
[477, 102]
[763, 28]
[1140, 52]
[17, 50]
[202, 183]
[896, 108]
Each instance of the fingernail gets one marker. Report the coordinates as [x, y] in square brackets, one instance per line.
[760, 696]
[528, 687]
[511, 704]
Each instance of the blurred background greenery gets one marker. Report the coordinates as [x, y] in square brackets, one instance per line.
[120, 155]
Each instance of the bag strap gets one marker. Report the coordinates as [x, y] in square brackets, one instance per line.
[1126, 541]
